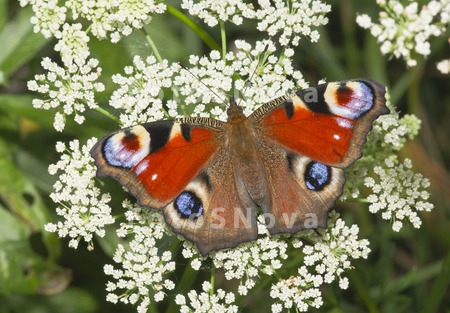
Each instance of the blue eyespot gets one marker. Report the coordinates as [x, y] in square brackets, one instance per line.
[317, 176]
[188, 205]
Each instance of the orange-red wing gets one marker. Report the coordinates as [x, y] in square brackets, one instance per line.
[328, 123]
[156, 161]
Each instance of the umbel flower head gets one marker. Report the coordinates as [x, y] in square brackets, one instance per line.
[404, 30]
[208, 80]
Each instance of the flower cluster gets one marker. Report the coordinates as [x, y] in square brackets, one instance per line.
[209, 300]
[261, 76]
[115, 18]
[83, 207]
[327, 255]
[212, 11]
[404, 31]
[72, 44]
[69, 89]
[292, 19]
[144, 269]
[333, 248]
[140, 91]
[48, 16]
[209, 80]
[248, 261]
[301, 291]
[390, 132]
[399, 193]
[289, 19]
[444, 66]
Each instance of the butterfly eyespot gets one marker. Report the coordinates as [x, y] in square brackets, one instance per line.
[126, 148]
[188, 205]
[349, 100]
[317, 176]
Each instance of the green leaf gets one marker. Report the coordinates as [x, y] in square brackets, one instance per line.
[19, 194]
[439, 289]
[22, 42]
[11, 228]
[72, 300]
[36, 170]
[3, 13]
[374, 60]
[22, 271]
[16, 276]
[19, 106]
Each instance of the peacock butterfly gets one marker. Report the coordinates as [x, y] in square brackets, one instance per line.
[210, 177]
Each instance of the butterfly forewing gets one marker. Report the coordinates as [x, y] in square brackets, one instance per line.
[327, 123]
[155, 161]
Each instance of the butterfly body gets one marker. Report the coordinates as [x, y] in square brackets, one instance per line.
[210, 177]
[241, 139]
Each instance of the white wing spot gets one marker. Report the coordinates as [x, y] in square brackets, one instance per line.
[337, 137]
[344, 123]
[154, 176]
[141, 166]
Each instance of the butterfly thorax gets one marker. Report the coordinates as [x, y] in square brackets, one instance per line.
[245, 156]
[235, 113]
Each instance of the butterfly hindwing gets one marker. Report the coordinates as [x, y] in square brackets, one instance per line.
[212, 210]
[300, 190]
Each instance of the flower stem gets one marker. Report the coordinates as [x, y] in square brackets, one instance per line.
[211, 291]
[223, 36]
[106, 113]
[153, 46]
[212, 44]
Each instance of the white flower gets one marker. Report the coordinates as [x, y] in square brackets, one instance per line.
[398, 193]
[213, 11]
[404, 31]
[84, 209]
[327, 256]
[297, 291]
[140, 91]
[142, 268]
[444, 66]
[292, 19]
[248, 261]
[364, 21]
[333, 248]
[115, 18]
[48, 16]
[261, 76]
[70, 89]
[207, 301]
[72, 44]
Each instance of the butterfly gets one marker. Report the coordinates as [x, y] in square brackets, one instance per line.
[210, 178]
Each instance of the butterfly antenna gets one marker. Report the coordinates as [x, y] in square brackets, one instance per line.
[254, 71]
[201, 82]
